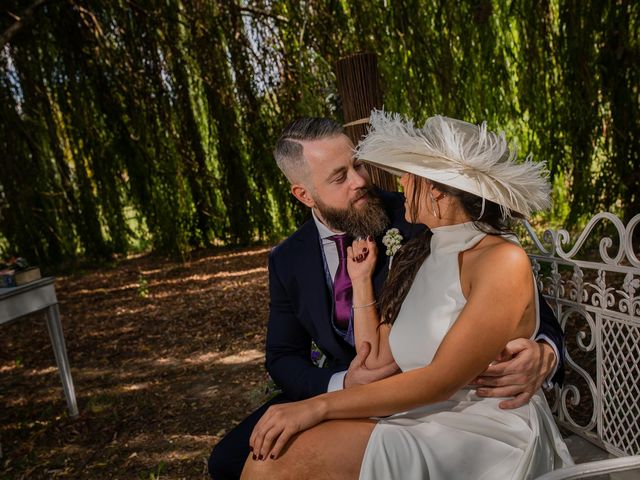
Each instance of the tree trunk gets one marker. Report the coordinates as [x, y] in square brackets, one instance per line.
[359, 88]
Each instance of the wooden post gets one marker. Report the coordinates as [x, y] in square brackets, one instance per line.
[360, 91]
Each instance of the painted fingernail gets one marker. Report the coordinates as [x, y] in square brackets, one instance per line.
[360, 257]
[260, 457]
[369, 238]
[254, 457]
[272, 456]
[365, 250]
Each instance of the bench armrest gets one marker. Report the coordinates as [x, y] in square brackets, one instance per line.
[590, 469]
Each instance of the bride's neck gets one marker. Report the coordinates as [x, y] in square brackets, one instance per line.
[451, 215]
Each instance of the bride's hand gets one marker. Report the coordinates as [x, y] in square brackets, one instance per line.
[281, 422]
[362, 255]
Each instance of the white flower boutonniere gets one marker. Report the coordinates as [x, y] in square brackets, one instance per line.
[392, 240]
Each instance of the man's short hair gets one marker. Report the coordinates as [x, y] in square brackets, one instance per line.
[289, 152]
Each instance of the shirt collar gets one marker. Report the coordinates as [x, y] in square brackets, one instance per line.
[324, 231]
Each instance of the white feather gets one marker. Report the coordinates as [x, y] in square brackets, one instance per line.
[460, 147]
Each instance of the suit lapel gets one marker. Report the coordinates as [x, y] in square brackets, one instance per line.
[315, 300]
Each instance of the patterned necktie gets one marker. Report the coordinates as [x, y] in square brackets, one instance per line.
[342, 291]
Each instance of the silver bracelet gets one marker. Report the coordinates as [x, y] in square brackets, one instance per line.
[353, 307]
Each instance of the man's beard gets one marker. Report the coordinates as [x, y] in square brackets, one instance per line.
[369, 219]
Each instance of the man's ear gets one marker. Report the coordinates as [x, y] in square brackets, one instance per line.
[302, 193]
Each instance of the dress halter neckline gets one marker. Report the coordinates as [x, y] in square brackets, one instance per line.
[455, 238]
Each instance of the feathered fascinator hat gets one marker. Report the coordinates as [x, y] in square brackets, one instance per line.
[460, 155]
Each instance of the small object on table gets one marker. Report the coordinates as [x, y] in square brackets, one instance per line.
[7, 278]
[28, 275]
[16, 272]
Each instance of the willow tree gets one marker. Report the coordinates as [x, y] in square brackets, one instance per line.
[127, 124]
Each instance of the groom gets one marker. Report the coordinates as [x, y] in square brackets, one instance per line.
[306, 274]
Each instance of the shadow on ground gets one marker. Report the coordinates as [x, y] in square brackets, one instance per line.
[166, 357]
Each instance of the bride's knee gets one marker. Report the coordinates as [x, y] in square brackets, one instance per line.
[267, 470]
[255, 470]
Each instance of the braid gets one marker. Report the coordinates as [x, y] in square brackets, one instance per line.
[404, 268]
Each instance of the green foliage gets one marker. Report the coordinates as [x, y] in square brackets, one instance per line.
[143, 286]
[127, 125]
[153, 474]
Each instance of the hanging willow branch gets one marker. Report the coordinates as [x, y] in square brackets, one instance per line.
[263, 13]
[21, 21]
[128, 125]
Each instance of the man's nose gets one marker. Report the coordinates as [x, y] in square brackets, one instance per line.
[357, 180]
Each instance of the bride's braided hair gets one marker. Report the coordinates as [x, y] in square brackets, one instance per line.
[408, 260]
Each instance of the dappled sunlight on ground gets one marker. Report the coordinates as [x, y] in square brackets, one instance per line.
[208, 277]
[105, 291]
[166, 358]
[242, 357]
[136, 386]
[259, 252]
[36, 372]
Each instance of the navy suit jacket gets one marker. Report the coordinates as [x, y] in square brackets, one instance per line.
[301, 309]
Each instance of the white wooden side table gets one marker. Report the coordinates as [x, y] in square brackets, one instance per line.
[39, 295]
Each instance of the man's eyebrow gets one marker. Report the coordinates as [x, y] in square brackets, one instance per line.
[336, 171]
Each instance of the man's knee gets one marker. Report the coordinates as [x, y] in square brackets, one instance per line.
[224, 462]
[229, 455]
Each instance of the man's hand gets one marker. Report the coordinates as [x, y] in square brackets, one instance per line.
[359, 374]
[518, 372]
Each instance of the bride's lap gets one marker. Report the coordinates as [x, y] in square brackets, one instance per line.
[330, 450]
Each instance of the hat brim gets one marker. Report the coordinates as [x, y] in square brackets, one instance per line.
[459, 155]
[418, 164]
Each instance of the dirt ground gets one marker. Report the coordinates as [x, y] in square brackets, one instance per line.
[166, 357]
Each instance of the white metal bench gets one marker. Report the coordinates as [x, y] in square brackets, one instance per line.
[598, 305]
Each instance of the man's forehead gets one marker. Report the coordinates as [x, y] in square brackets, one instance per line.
[327, 150]
[340, 139]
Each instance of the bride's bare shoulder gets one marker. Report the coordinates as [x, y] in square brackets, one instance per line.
[499, 256]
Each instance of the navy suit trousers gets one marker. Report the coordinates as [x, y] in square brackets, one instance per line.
[228, 457]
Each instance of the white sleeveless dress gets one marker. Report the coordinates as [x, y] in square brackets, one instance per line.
[465, 437]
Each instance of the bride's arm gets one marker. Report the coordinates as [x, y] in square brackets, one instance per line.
[501, 290]
[362, 257]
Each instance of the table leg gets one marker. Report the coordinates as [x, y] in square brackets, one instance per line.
[60, 352]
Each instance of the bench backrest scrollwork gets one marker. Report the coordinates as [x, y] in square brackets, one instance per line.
[595, 294]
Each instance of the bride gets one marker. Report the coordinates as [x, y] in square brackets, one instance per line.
[452, 301]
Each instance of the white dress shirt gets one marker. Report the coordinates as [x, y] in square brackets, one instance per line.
[331, 256]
